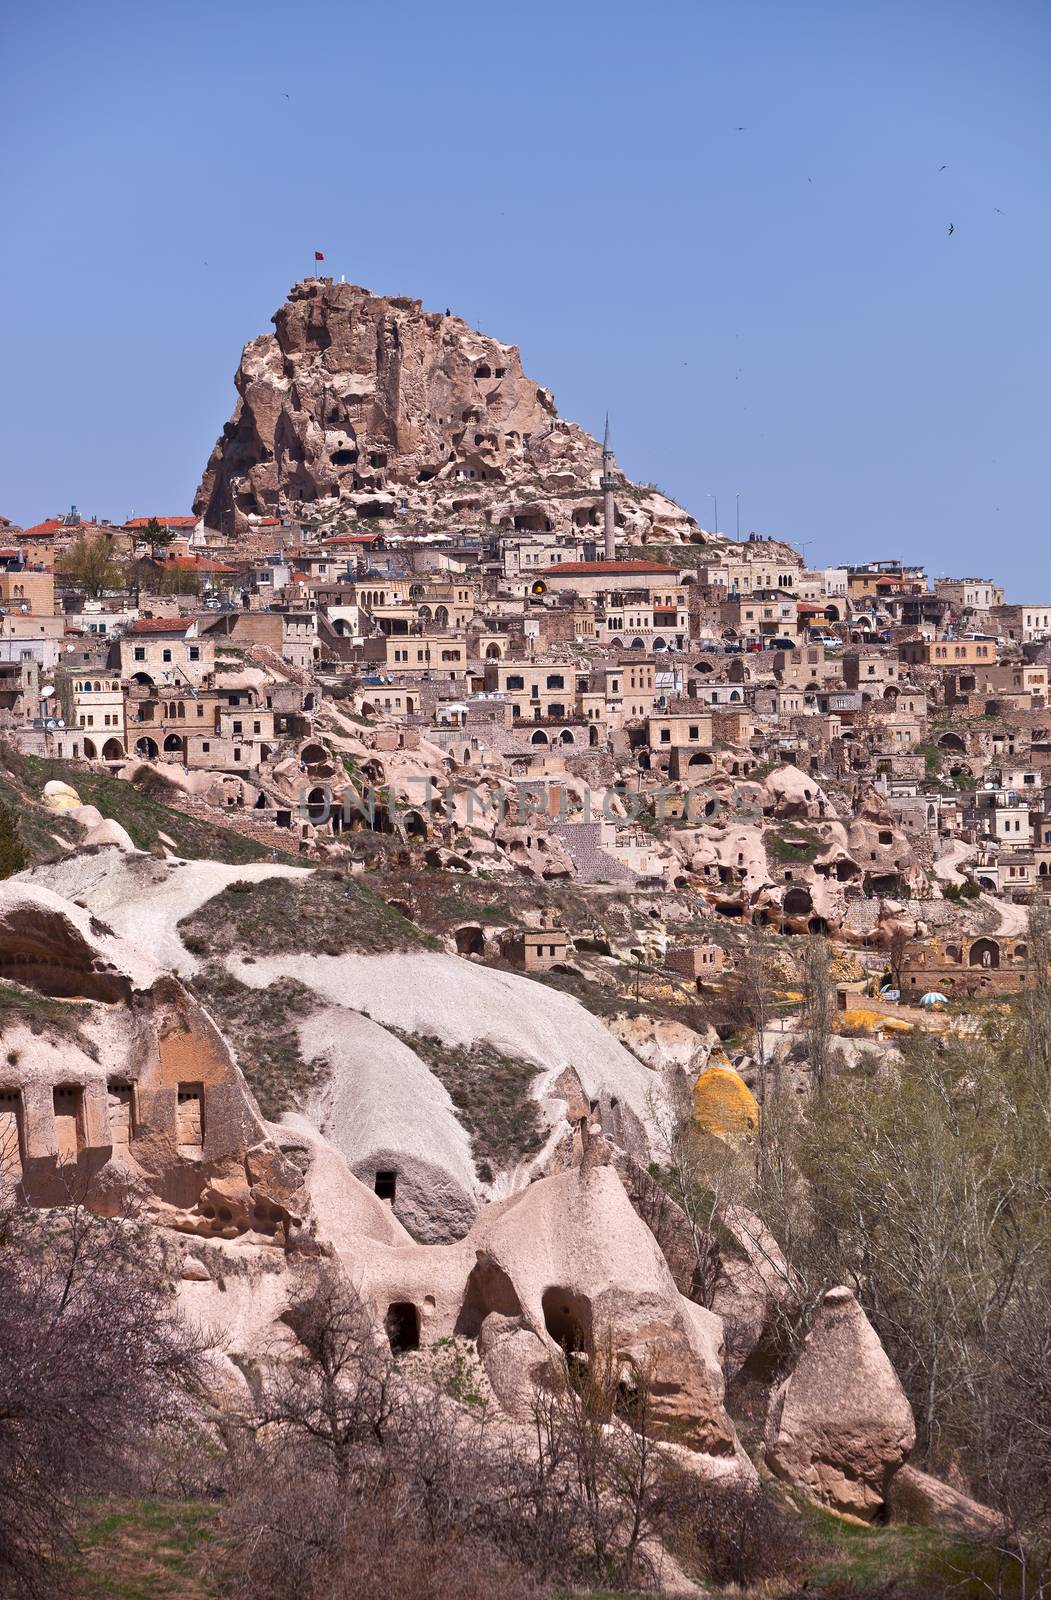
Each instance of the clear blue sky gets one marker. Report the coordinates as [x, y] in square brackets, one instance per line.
[724, 222]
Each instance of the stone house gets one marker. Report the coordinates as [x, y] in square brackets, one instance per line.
[700, 962]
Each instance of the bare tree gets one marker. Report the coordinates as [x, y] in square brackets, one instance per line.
[755, 1005]
[818, 1008]
[337, 1391]
[94, 1359]
[704, 1177]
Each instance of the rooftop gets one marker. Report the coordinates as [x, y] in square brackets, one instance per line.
[613, 569]
[163, 522]
[160, 625]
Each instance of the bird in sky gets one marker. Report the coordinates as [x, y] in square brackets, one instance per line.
[943, 166]
[999, 213]
[952, 227]
[287, 96]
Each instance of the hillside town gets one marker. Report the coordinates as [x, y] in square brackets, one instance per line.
[480, 920]
[854, 750]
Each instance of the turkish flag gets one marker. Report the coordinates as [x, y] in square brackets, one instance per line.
[319, 255]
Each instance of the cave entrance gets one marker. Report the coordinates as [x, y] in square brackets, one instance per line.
[470, 941]
[488, 1289]
[567, 1318]
[402, 1324]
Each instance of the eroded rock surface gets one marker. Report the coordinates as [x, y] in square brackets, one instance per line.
[840, 1425]
[369, 404]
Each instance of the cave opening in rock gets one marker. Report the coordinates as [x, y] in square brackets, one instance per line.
[470, 941]
[402, 1324]
[567, 1318]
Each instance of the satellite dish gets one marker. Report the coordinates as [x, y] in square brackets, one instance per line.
[45, 694]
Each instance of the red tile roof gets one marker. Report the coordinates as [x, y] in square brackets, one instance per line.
[160, 625]
[575, 569]
[40, 529]
[352, 538]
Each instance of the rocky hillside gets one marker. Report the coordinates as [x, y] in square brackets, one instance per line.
[367, 405]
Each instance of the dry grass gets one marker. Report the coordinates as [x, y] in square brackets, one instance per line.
[492, 1094]
[327, 913]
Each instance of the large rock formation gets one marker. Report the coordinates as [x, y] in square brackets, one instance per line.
[368, 405]
[840, 1425]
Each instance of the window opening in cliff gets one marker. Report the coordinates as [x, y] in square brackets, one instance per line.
[386, 1185]
[318, 805]
[567, 1318]
[402, 1323]
[344, 458]
[189, 1120]
[483, 371]
[11, 1132]
[69, 1131]
[120, 1112]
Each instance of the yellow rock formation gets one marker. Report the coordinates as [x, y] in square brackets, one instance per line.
[723, 1103]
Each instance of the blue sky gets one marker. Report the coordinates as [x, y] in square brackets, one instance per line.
[727, 223]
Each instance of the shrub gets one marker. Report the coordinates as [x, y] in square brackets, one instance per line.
[12, 851]
[734, 1533]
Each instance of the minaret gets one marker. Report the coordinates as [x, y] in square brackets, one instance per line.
[609, 510]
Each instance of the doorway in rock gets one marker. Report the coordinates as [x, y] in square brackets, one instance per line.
[402, 1324]
[567, 1318]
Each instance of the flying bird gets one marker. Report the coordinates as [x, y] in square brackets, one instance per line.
[287, 96]
[952, 227]
[999, 213]
[943, 166]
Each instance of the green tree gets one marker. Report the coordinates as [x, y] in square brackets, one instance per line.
[818, 1007]
[12, 851]
[928, 1187]
[90, 564]
[179, 580]
[156, 535]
